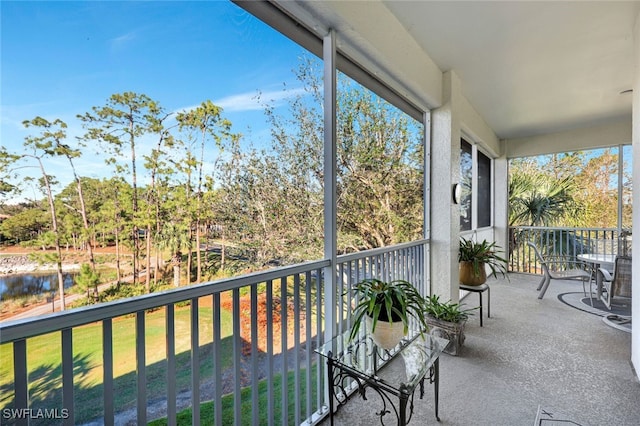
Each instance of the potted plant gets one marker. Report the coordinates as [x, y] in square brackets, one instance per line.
[474, 256]
[447, 320]
[386, 307]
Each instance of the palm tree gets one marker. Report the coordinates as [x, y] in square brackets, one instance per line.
[175, 237]
[539, 199]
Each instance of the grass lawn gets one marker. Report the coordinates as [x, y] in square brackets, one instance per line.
[207, 411]
[45, 370]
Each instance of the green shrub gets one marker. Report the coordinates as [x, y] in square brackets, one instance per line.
[445, 311]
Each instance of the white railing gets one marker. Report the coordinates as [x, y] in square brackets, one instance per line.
[562, 242]
[405, 261]
[245, 344]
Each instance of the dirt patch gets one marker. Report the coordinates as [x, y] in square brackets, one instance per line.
[7, 310]
[226, 303]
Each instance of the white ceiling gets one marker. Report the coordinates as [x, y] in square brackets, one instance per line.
[531, 67]
[528, 67]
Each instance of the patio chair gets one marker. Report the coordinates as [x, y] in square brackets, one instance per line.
[618, 285]
[559, 268]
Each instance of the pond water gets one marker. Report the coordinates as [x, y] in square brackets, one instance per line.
[18, 285]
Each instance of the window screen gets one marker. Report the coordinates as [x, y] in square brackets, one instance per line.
[466, 179]
[484, 190]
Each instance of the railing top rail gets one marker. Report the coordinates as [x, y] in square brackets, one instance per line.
[563, 228]
[29, 327]
[381, 250]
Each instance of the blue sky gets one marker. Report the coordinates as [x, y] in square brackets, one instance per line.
[59, 59]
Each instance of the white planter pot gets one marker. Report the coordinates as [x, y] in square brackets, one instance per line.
[386, 335]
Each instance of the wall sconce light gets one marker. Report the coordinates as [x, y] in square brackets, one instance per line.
[456, 193]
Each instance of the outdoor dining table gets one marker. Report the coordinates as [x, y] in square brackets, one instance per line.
[598, 260]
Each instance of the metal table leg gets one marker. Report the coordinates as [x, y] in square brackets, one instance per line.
[436, 384]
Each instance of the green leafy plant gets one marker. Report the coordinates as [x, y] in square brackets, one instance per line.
[479, 253]
[88, 280]
[391, 301]
[445, 311]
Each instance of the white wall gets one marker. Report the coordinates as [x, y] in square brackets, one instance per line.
[635, 309]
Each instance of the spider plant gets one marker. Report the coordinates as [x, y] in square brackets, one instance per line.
[391, 301]
[479, 253]
[445, 311]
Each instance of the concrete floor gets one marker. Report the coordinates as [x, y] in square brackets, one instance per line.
[531, 353]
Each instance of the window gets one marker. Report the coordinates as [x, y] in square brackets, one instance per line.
[476, 209]
[626, 199]
[484, 190]
[466, 178]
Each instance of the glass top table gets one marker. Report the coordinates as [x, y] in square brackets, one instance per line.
[598, 260]
[605, 260]
[397, 373]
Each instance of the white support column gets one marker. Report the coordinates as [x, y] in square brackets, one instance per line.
[330, 237]
[445, 172]
[621, 161]
[426, 197]
[635, 308]
[501, 203]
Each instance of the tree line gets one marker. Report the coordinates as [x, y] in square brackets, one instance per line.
[202, 182]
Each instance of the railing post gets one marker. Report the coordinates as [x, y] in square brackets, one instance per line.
[170, 328]
[107, 368]
[195, 361]
[141, 369]
[67, 375]
[20, 380]
[217, 357]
